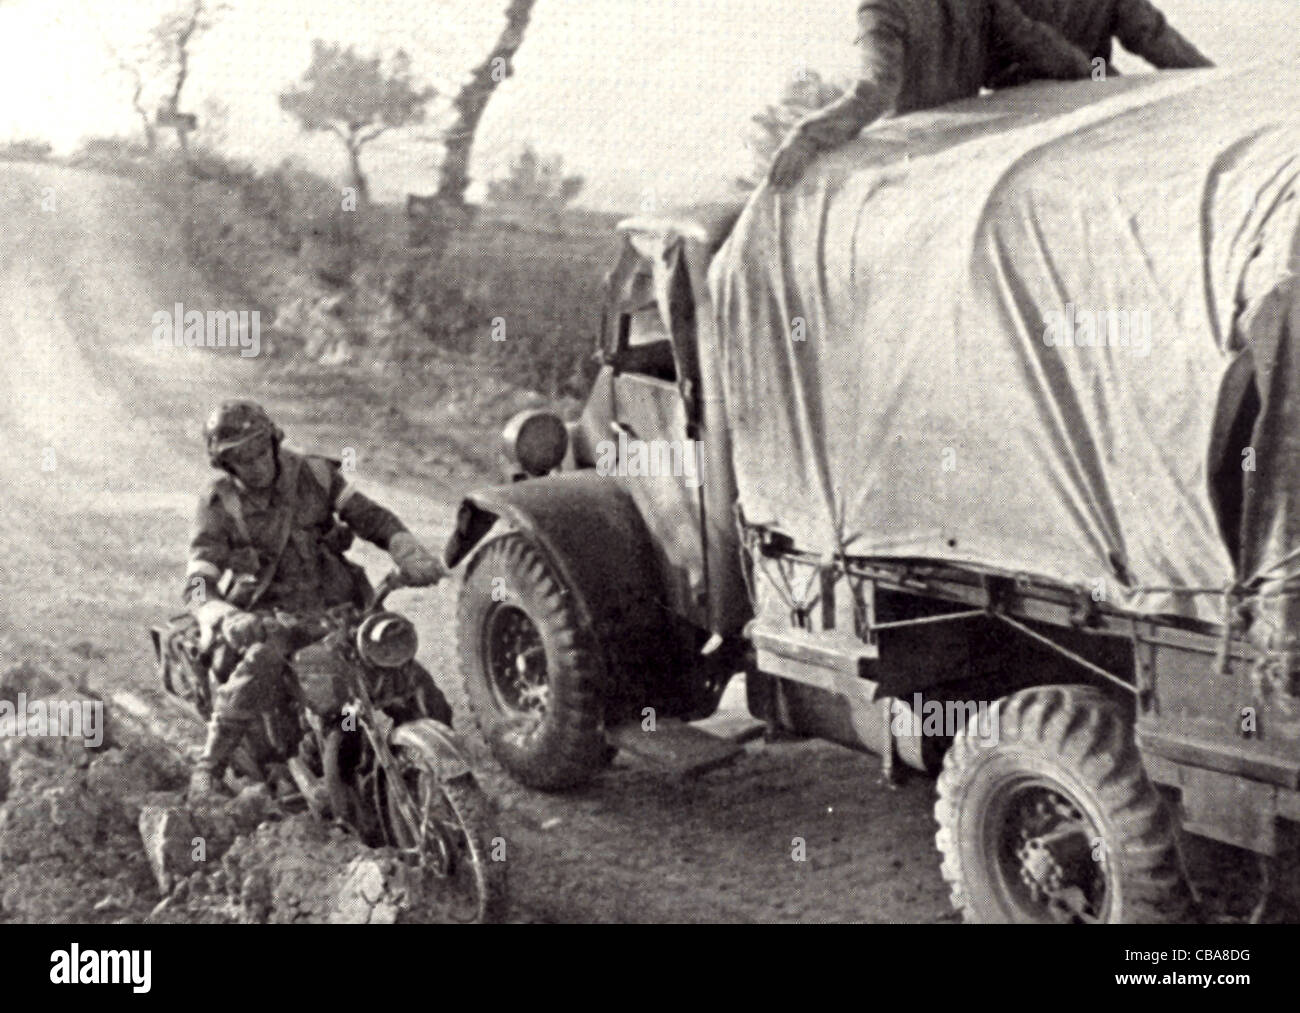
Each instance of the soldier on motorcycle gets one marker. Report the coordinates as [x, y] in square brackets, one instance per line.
[267, 556]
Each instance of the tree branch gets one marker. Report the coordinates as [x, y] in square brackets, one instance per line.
[470, 103]
[378, 131]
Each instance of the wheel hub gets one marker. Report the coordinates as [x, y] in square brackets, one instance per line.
[1051, 859]
[516, 662]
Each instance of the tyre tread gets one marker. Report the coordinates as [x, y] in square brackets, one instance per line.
[1082, 726]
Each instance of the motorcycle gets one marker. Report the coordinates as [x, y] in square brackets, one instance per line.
[360, 733]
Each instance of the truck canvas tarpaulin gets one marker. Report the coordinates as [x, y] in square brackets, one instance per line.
[1048, 331]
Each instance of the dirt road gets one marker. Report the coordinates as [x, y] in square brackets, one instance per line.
[101, 466]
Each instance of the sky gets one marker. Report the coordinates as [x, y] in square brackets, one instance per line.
[648, 99]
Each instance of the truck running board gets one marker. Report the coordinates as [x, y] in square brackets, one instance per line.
[680, 749]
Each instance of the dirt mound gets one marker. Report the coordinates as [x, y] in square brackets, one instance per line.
[299, 870]
[104, 834]
[245, 861]
[69, 851]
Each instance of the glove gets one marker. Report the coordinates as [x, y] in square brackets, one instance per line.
[241, 630]
[792, 160]
[418, 566]
[210, 614]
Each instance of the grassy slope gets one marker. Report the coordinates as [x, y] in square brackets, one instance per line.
[441, 415]
[545, 283]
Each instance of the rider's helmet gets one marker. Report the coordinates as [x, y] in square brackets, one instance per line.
[234, 423]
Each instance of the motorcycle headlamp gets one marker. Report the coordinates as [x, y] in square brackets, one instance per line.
[387, 640]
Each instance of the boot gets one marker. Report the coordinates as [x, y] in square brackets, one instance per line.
[223, 739]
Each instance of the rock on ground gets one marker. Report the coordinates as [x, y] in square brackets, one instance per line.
[298, 870]
[302, 871]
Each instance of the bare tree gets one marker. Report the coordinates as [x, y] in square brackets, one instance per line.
[172, 40]
[446, 208]
[133, 66]
[356, 98]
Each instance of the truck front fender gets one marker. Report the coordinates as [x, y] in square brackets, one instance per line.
[589, 531]
[587, 527]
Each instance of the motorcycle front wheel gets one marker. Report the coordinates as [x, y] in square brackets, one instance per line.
[450, 834]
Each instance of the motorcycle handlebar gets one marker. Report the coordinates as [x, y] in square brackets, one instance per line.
[392, 581]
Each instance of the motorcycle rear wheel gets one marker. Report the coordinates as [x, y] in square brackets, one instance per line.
[457, 844]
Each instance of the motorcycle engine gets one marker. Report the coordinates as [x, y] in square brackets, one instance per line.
[322, 669]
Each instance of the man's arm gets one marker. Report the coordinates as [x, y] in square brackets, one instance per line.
[374, 523]
[210, 550]
[382, 527]
[1142, 29]
[211, 553]
[1037, 48]
[882, 37]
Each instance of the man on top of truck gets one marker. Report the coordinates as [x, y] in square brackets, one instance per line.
[1094, 25]
[917, 54]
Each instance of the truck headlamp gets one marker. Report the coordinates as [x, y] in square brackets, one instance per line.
[536, 440]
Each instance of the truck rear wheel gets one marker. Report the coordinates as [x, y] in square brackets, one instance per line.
[1048, 816]
[531, 672]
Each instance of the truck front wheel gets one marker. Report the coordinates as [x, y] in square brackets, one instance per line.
[532, 674]
[1046, 815]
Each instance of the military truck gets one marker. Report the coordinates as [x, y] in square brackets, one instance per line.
[992, 420]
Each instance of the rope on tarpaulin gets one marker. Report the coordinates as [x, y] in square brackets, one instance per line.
[1244, 588]
[1237, 596]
